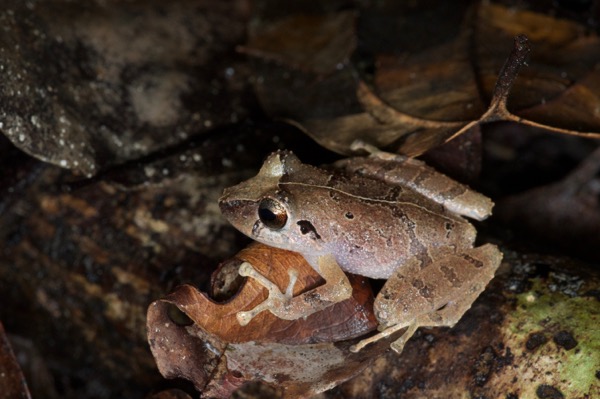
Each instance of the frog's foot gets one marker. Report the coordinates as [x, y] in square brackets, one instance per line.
[276, 302]
[397, 345]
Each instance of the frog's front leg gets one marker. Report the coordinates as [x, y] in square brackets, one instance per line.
[275, 300]
[284, 305]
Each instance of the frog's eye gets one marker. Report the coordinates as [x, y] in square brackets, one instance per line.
[272, 213]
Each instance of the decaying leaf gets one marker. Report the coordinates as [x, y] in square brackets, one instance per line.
[12, 381]
[193, 337]
[421, 98]
[566, 213]
[559, 90]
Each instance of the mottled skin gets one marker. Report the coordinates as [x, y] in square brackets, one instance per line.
[382, 217]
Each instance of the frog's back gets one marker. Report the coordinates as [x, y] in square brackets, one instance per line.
[338, 183]
[373, 228]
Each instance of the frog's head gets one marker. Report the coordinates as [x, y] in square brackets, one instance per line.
[263, 209]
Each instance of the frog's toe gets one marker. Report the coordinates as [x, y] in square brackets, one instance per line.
[398, 345]
[244, 317]
[246, 270]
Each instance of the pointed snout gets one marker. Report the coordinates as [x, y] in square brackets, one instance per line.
[229, 205]
[241, 213]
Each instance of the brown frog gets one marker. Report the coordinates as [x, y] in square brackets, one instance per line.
[384, 217]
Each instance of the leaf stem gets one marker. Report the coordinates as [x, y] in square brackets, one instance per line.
[508, 75]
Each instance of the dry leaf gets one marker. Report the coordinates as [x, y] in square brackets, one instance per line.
[422, 96]
[565, 213]
[342, 321]
[195, 338]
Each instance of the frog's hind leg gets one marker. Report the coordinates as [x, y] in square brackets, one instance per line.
[474, 268]
[434, 296]
[447, 316]
[397, 345]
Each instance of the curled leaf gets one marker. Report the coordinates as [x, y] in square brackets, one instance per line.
[196, 338]
[345, 320]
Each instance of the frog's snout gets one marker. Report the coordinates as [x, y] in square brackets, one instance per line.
[233, 208]
[227, 200]
[227, 205]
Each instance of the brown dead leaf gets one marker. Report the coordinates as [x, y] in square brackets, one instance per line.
[196, 338]
[560, 89]
[345, 320]
[421, 97]
[565, 213]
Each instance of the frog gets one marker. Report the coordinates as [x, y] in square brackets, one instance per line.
[382, 216]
